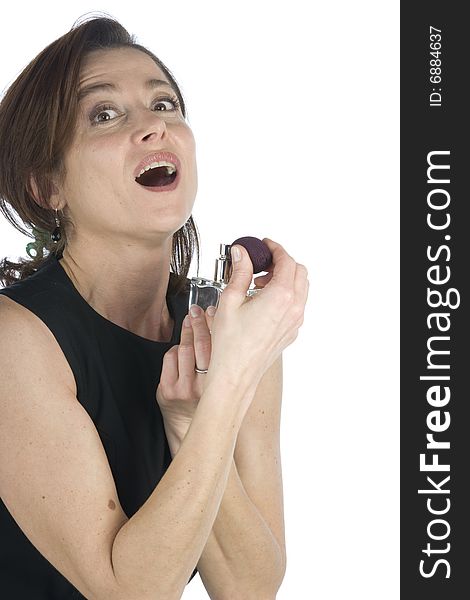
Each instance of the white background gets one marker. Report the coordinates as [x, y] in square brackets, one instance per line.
[294, 107]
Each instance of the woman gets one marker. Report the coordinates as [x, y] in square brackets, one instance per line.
[123, 470]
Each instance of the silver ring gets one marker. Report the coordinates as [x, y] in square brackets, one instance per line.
[202, 371]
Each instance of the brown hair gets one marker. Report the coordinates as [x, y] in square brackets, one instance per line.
[37, 119]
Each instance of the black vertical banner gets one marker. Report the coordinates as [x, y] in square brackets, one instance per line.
[435, 269]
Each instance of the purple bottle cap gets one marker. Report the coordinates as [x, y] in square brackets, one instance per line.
[260, 254]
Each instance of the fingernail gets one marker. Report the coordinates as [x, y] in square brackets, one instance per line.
[211, 311]
[187, 321]
[236, 254]
[195, 310]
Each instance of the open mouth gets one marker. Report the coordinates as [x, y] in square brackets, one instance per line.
[159, 176]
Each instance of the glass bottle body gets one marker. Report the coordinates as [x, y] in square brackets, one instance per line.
[207, 292]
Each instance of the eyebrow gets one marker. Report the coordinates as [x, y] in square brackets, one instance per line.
[150, 84]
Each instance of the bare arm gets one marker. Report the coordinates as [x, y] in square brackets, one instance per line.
[244, 556]
[158, 548]
[62, 501]
[246, 550]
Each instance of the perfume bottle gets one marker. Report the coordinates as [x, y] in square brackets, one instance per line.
[206, 292]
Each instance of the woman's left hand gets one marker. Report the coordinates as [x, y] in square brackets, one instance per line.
[180, 386]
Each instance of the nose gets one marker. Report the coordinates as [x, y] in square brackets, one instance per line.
[150, 128]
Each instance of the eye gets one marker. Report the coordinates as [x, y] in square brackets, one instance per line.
[172, 100]
[101, 110]
[99, 114]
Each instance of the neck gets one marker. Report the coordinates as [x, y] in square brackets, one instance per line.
[126, 286]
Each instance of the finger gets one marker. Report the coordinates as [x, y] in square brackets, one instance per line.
[301, 287]
[186, 357]
[262, 280]
[240, 280]
[202, 337]
[284, 265]
[209, 317]
[170, 366]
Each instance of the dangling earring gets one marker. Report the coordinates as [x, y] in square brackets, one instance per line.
[56, 235]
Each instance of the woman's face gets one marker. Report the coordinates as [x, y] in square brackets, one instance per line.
[115, 130]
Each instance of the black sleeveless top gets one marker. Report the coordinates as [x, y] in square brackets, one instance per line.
[116, 373]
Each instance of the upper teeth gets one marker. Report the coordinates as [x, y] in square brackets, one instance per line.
[170, 167]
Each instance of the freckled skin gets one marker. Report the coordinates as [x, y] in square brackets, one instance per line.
[111, 505]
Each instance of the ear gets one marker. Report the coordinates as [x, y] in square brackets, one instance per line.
[33, 189]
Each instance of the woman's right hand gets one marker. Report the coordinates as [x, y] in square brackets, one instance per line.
[248, 336]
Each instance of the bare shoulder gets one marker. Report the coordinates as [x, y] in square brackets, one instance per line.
[21, 331]
[65, 500]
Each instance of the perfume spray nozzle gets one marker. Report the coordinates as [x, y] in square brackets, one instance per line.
[223, 264]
